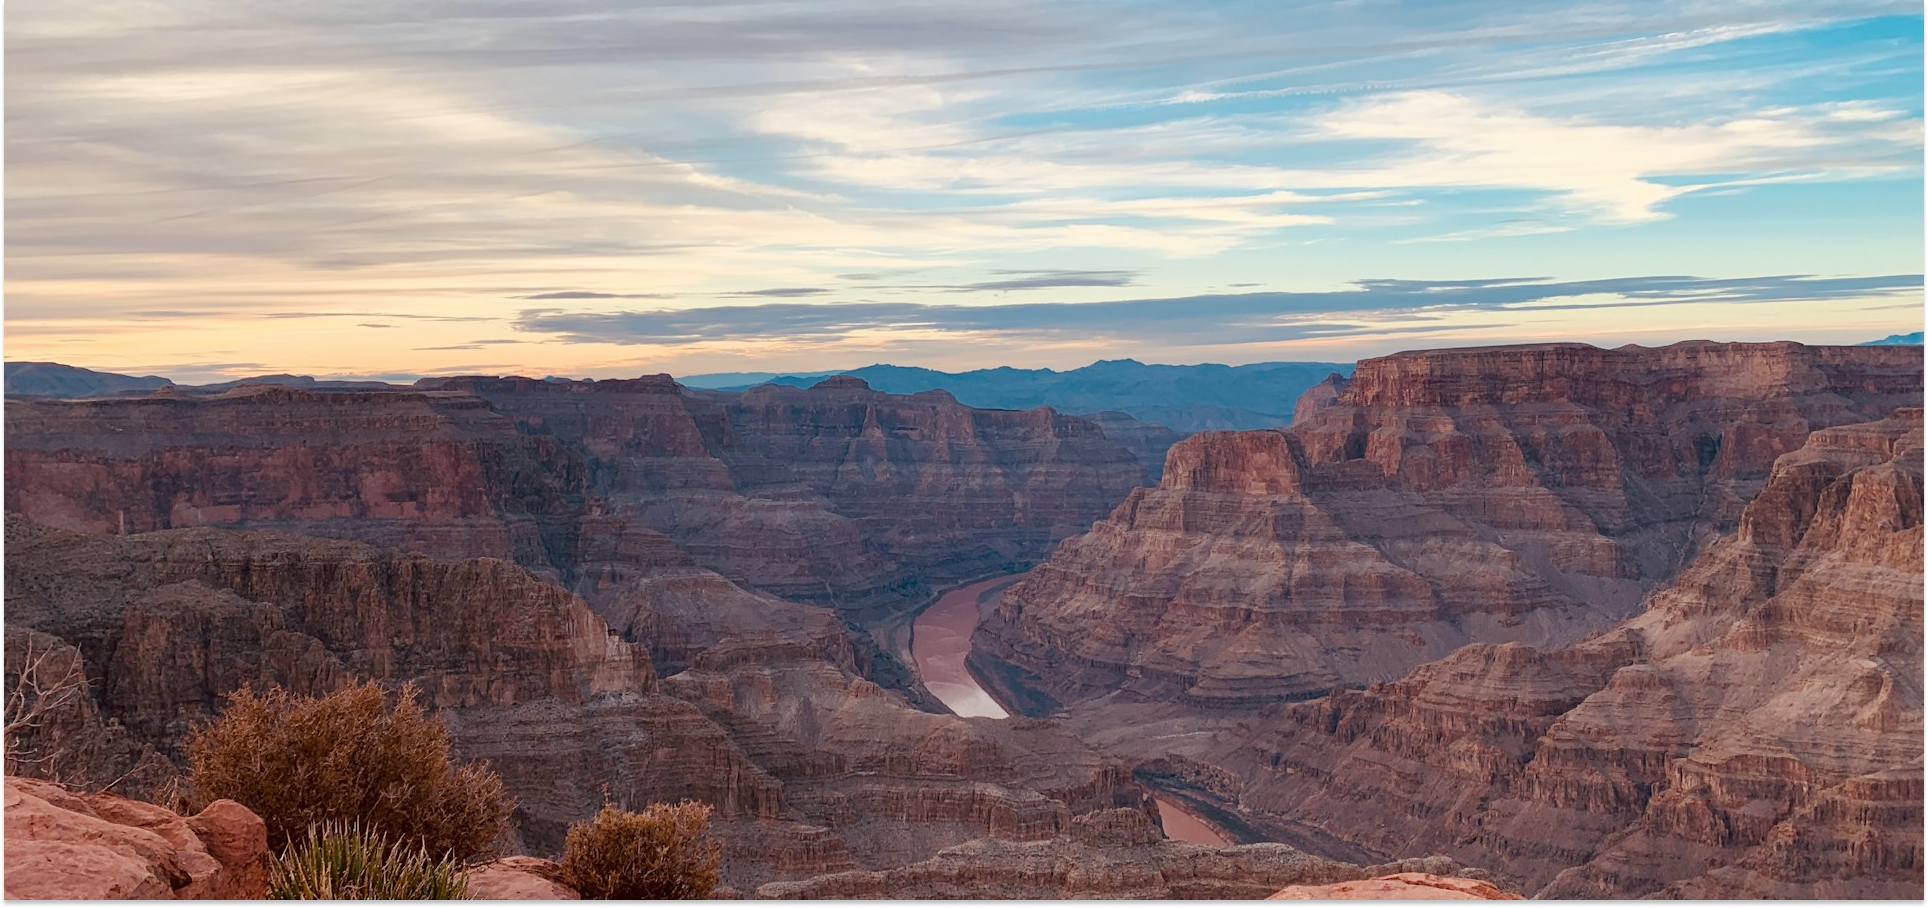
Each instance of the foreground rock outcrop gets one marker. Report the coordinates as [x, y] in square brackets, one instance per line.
[68, 845]
[1756, 733]
[519, 878]
[1421, 887]
[1434, 499]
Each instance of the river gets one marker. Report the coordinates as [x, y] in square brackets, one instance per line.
[941, 639]
[939, 642]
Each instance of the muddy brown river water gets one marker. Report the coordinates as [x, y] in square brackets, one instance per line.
[941, 639]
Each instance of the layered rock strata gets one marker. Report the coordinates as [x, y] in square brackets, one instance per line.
[1103, 855]
[1517, 494]
[1755, 733]
[1147, 441]
[836, 494]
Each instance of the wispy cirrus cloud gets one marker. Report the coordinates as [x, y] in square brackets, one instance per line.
[780, 292]
[594, 295]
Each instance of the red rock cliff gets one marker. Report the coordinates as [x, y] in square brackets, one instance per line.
[1524, 494]
[1755, 733]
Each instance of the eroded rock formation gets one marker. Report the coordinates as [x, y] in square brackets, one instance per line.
[1755, 733]
[1525, 494]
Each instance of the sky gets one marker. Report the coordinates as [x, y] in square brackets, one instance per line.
[207, 190]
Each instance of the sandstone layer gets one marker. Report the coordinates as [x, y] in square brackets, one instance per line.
[68, 845]
[1435, 499]
[1755, 733]
[519, 879]
[1417, 887]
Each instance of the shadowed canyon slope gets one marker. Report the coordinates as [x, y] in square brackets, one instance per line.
[1755, 733]
[1529, 494]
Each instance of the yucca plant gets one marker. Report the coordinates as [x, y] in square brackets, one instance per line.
[344, 861]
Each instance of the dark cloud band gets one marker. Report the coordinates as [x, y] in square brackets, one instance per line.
[1200, 320]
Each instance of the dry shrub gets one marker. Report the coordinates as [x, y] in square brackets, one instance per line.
[301, 761]
[663, 852]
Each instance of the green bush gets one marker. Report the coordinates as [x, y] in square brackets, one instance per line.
[344, 861]
[663, 852]
[300, 761]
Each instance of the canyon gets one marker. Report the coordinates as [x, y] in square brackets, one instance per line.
[1521, 607]
[1434, 499]
[1755, 732]
[1578, 616]
[583, 578]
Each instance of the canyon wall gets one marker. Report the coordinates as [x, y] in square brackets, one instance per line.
[1755, 733]
[1435, 499]
[835, 494]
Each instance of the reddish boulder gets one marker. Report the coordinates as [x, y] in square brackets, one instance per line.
[64, 845]
[519, 878]
[1418, 887]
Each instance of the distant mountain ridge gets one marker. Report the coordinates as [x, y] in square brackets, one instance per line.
[1895, 340]
[58, 380]
[1189, 399]
[1186, 399]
